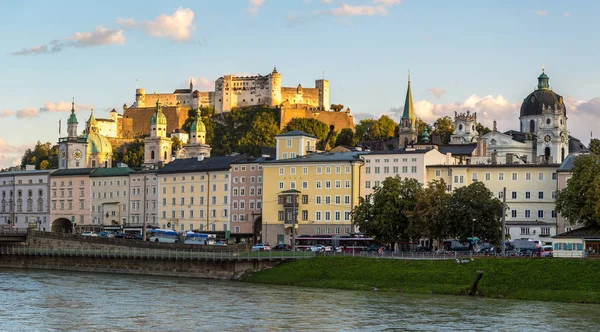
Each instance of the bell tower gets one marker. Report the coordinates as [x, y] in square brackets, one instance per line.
[408, 129]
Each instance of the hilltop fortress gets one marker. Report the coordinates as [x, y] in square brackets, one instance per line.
[236, 91]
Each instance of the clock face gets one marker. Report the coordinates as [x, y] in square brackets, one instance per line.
[77, 154]
[547, 138]
[63, 154]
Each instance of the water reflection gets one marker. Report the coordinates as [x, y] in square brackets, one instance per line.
[60, 301]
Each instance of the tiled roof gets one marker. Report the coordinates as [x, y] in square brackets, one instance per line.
[321, 157]
[584, 232]
[295, 133]
[74, 171]
[575, 146]
[18, 173]
[567, 164]
[115, 171]
[458, 149]
[188, 165]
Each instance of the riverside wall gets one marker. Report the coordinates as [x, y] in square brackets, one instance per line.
[208, 269]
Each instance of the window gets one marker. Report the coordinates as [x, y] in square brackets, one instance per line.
[527, 195]
[386, 170]
[281, 171]
[304, 199]
[347, 184]
[347, 217]
[488, 176]
[541, 214]
[292, 185]
[527, 213]
[284, 155]
[553, 213]
[347, 200]
[338, 169]
[328, 170]
[304, 215]
[438, 173]
[500, 195]
[474, 176]
[327, 184]
[337, 216]
[553, 194]
[338, 200]
[368, 184]
[554, 176]
[318, 199]
[368, 170]
[500, 176]
[513, 213]
[515, 176]
[304, 184]
[288, 143]
[514, 195]
[327, 200]
[318, 185]
[377, 169]
[524, 230]
[347, 170]
[280, 184]
[327, 215]
[304, 170]
[545, 231]
[541, 176]
[318, 215]
[319, 170]
[527, 176]
[540, 195]
[413, 169]
[293, 170]
[404, 169]
[338, 183]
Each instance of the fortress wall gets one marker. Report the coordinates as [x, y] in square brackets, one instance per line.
[340, 120]
[309, 96]
[141, 117]
[166, 99]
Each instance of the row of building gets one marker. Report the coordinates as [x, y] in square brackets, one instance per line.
[250, 198]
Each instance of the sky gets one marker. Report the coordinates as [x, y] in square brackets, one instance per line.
[483, 56]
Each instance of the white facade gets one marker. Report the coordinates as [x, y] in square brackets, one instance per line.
[143, 199]
[110, 200]
[24, 198]
[410, 164]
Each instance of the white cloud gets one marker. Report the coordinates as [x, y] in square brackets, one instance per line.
[254, 5]
[100, 36]
[388, 2]
[542, 12]
[9, 161]
[127, 23]
[6, 113]
[201, 83]
[28, 112]
[5, 147]
[62, 106]
[345, 10]
[438, 92]
[178, 26]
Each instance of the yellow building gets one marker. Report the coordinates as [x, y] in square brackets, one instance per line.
[194, 194]
[327, 185]
[530, 193]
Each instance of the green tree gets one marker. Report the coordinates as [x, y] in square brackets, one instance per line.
[421, 127]
[365, 130]
[429, 219]
[385, 128]
[41, 152]
[473, 210]
[337, 107]
[444, 127]
[131, 153]
[263, 131]
[44, 164]
[310, 126]
[595, 146]
[176, 143]
[481, 129]
[346, 138]
[385, 213]
[579, 202]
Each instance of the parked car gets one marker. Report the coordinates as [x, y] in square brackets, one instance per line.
[106, 234]
[124, 236]
[282, 247]
[260, 247]
[546, 251]
[88, 234]
[328, 249]
[220, 243]
[317, 248]
[373, 247]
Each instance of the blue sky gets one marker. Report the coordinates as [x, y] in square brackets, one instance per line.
[479, 55]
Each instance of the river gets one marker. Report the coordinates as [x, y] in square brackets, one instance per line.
[35, 300]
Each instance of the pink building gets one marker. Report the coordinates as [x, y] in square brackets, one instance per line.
[246, 199]
[70, 201]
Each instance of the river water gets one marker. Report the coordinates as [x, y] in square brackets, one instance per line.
[34, 300]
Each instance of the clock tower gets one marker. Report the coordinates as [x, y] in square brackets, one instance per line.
[72, 149]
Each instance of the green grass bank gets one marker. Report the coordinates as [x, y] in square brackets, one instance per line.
[561, 280]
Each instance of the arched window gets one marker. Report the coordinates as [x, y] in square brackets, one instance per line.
[405, 142]
[152, 155]
[532, 126]
[93, 163]
[165, 155]
[547, 153]
[562, 153]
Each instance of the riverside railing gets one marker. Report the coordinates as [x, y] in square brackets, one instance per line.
[142, 253]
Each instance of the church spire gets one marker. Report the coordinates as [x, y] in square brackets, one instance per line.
[191, 85]
[72, 118]
[409, 112]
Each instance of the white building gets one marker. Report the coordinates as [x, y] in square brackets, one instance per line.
[24, 199]
[143, 200]
[110, 197]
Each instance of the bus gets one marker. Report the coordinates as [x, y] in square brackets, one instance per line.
[195, 238]
[348, 242]
[164, 235]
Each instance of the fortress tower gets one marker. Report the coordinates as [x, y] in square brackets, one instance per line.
[323, 87]
[140, 98]
[275, 86]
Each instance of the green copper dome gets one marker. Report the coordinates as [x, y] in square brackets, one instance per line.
[198, 126]
[158, 117]
[72, 118]
[98, 144]
[425, 135]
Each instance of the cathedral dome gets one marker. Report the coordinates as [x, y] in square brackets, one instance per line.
[542, 97]
[98, 144]
[159, 118]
